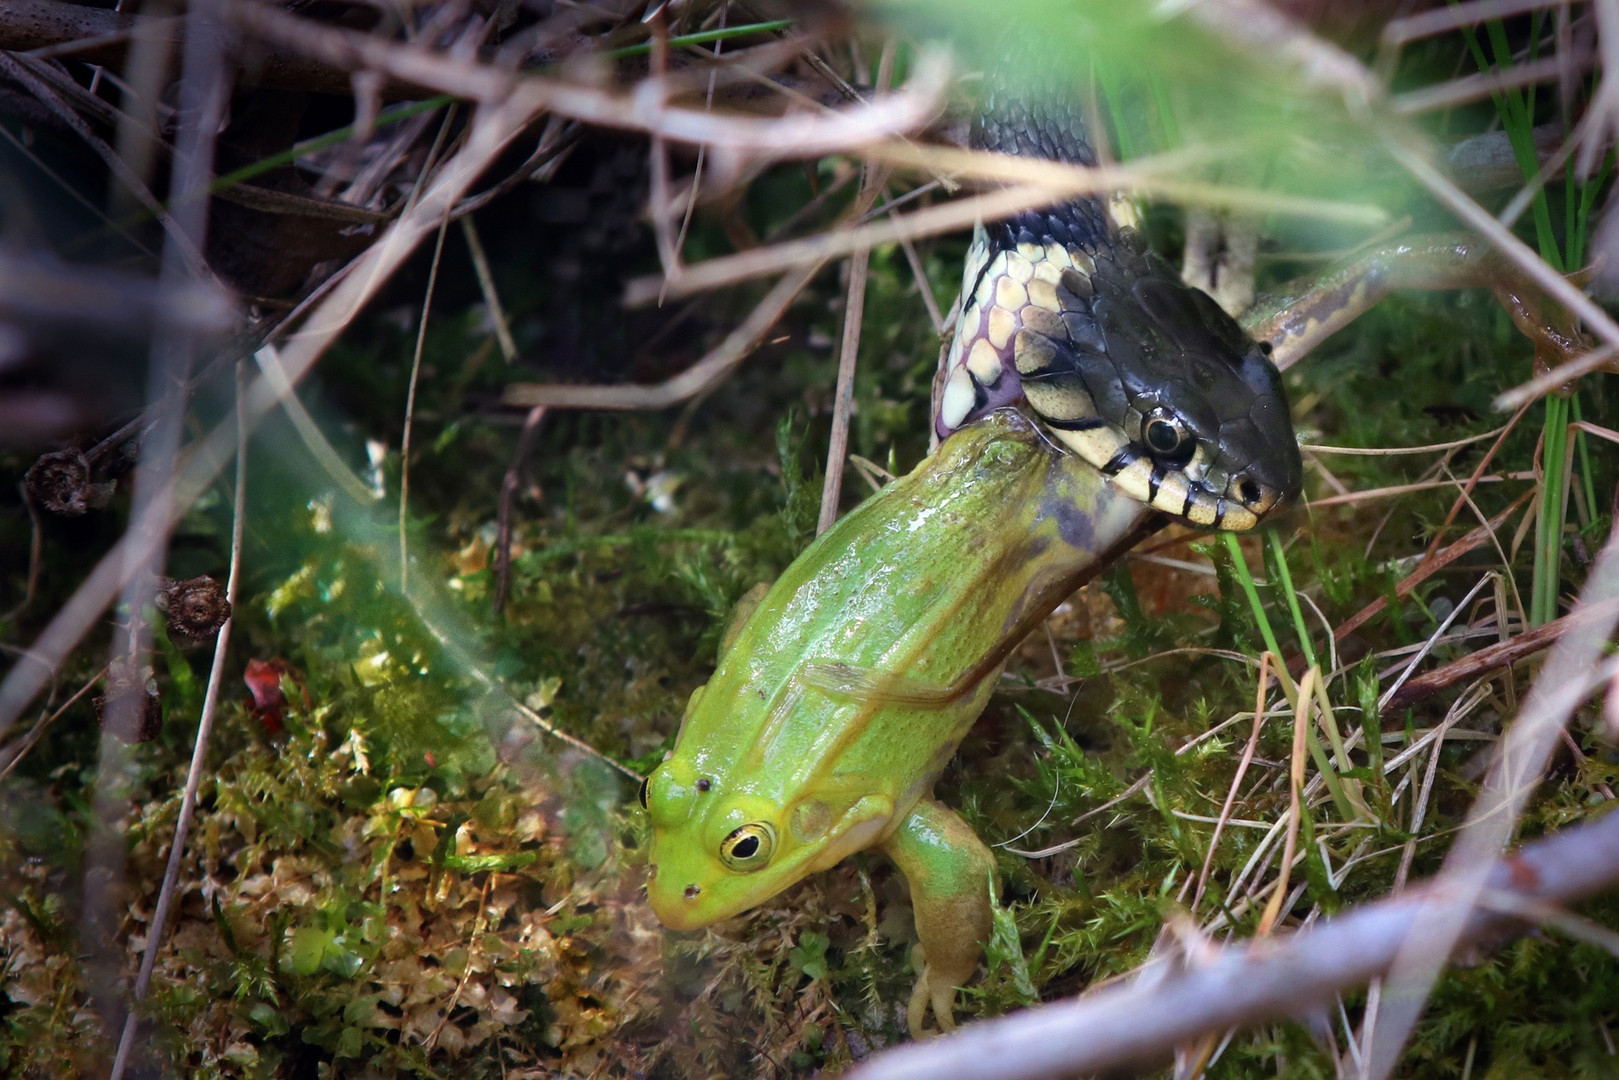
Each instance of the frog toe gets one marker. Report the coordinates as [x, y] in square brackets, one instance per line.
[932, 988]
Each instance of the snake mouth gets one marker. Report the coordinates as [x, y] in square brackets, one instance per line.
[1202, 494]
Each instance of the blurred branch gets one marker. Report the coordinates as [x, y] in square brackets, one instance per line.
[1241, 985]
[490, 133]
[766, 138]
[47, 301]
[186, 247]
[50, 28]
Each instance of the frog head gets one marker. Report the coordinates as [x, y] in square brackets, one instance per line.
[727, 834]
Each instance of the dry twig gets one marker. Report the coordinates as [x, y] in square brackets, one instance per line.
[199, 750]
[1241, 985]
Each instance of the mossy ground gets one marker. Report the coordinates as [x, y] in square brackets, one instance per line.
[409, 879]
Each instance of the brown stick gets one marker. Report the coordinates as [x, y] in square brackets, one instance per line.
[1248, 983]
[1477, 538]
[99, 36]
[1500, 655]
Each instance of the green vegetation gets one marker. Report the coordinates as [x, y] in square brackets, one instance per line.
[412, 879]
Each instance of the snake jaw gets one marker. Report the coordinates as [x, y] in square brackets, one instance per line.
[1198, 492]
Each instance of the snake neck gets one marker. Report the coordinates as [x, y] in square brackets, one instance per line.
[1047, 123]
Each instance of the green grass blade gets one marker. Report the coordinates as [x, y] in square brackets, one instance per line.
[1239, 566]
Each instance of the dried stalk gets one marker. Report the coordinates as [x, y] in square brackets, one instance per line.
[1140, 1022]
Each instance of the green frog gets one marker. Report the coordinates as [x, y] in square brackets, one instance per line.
[842, 695]
[839, 699]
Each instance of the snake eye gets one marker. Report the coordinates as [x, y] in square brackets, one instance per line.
[748, 847]
[1167, 436]
[646, 790]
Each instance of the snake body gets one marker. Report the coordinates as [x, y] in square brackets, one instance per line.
[1138, 373]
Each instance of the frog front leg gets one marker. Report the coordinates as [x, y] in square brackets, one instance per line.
[949, 870]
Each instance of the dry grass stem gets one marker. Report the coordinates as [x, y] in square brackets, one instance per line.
[1295, 809]
[1260, 691]
[410, 395]
[1493, 657]
[199, 753]
[854, 309]
[15, 753]
[1476, 87]
[1407, 29]
[1525, 750]
[1465, 495]
[1247, 983]
[486, 286]
[1394, 451]
[643, 110]
[1433, 639]
[1404, 489]
[733, 269]
[1153, 176]
[1039, 183]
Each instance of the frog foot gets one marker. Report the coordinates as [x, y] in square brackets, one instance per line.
[930, 989]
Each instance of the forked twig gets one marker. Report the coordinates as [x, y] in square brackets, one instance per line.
[735, 348]
[1141, 1021]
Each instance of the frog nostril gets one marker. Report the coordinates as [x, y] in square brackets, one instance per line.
[692, 892]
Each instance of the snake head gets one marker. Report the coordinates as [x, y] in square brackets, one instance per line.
[1138, 373]
[1208, 434]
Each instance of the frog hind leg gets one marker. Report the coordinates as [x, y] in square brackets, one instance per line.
[949, 871]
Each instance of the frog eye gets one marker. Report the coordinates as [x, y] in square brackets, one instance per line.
[748, 847]
[646, 790]
[1167, 436]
